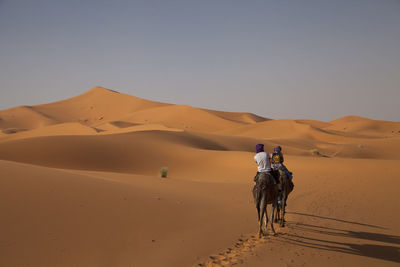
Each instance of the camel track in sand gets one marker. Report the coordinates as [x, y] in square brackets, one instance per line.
[245, 246]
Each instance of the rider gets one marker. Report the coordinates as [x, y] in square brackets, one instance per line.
[263, 160]
[277, 161]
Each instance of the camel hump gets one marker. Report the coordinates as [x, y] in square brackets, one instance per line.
[266, 178]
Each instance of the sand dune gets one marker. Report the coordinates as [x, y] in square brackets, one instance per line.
[238, 116]
[69, 128]
[110, 128]
[96, 105]
[68, 217]
[292, 129]
[93, 107]
[62, 218]
[135, 152]
[79, 186]
[273, 129]
[99, 105]
[23, 118]
[184, 117]
[314, 123]
[367, 127]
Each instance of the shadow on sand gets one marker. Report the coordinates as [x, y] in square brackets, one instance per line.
[389, 251]
[334, 219]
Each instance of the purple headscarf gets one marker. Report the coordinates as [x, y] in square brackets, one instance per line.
[277, 149]
[259, 148]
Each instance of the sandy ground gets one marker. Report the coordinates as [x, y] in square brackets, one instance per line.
[79, 186]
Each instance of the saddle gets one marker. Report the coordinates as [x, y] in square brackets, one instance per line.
[274, 173]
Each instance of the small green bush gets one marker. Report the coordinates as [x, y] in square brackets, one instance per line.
[163, 172]
[316, 152]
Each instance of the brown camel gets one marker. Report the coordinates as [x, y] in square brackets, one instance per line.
[265, 192]
[286, 187]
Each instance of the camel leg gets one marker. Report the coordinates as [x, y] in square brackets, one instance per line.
[283, 211]
[258, 213]
[277, 213]
[274, 204]
[262, 210]
[278, 207]
[266, 217]
[282, 224]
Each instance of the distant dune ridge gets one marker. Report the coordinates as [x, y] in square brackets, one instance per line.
[80, 186]
[101, 111]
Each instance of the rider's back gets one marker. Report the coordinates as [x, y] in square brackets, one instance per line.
[262, 160]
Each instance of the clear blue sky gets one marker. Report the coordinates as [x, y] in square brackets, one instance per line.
[280, 59]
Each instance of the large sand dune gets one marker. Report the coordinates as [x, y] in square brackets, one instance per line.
[79, 186]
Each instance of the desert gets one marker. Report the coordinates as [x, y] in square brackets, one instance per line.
[80, 186]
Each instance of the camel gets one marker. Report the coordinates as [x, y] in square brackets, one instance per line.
[286, 187]
[265, 192]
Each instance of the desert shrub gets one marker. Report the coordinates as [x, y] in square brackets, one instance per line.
[163, 172]
[316, 152]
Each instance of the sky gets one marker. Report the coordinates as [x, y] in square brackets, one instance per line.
[280, 59]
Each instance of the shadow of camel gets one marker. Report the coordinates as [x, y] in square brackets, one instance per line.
[389, 251]
[335, 219]
[394, 239]
[383, 252]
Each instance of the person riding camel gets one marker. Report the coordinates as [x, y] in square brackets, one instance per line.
[277, 161]
[263, 161]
